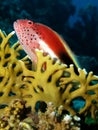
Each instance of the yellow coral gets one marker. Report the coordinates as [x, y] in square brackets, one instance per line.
[43, 83]
[83, 87]
[56, 82]
[11, 71]
[52, 80]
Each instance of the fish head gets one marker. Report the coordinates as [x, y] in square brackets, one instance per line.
[28, 37]
[27, 33]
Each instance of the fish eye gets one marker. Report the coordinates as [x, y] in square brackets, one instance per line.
[29, 22]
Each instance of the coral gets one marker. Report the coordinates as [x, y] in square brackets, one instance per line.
[17, 117]
[81, 85]
[43, 84]
[10, 71]
[52, 81]
[61, 85]
[12, 115]
[52, 119]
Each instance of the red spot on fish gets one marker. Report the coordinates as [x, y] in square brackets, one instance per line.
[38, 36]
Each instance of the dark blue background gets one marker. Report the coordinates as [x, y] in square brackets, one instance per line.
[75, 20]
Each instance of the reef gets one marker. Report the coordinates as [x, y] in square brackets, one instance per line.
[13, 118]
[52, 81]
[12, 115]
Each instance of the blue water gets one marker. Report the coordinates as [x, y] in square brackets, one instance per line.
[62, 16]
[81, 4]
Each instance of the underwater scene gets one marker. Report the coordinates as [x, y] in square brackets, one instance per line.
[48, 64]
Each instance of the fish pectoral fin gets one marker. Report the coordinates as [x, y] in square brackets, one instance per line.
[34, 59]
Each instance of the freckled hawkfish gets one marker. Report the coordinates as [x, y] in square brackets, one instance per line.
[34, 36]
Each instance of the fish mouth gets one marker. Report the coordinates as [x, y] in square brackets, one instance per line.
[15, 24]
[17, 27]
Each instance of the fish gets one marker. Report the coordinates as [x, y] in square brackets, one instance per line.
[37, 36]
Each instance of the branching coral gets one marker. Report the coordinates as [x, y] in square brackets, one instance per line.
[81, 85]
[43, 83]
[61, 85]
[10, 68]
[52, 81]
[11, 72]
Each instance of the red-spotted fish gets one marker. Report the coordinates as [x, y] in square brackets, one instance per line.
[34, 36]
